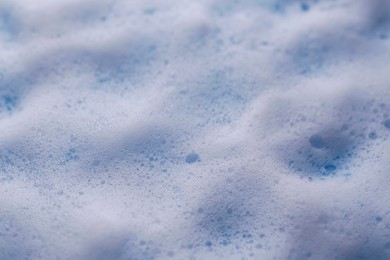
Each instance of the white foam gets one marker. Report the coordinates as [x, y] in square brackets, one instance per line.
[216, 129]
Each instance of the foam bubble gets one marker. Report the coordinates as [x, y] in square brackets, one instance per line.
[218, 129]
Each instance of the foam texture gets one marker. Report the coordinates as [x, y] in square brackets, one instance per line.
[210, 129]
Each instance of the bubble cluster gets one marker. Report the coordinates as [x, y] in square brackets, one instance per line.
[211, 129]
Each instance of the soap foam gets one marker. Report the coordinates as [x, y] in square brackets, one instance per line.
[216, 129]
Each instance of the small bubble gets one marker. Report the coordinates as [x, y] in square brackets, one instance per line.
[387, 123]
[9, 102]
[329, 167]
[344, 127]
[317, 141]
[305, 7]
[372, 135]
[192, 157]
[96, 163]
[308, 254]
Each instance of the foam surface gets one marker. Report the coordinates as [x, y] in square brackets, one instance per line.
[212, 129]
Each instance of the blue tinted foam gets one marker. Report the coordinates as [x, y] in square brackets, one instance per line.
[323, 154]
[372, 135]
[9, 24]
[305, 7]
[9, 102]
[387, 123]
[192, 157]
[317, 141]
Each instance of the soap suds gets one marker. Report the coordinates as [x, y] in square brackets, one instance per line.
[210, 130]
